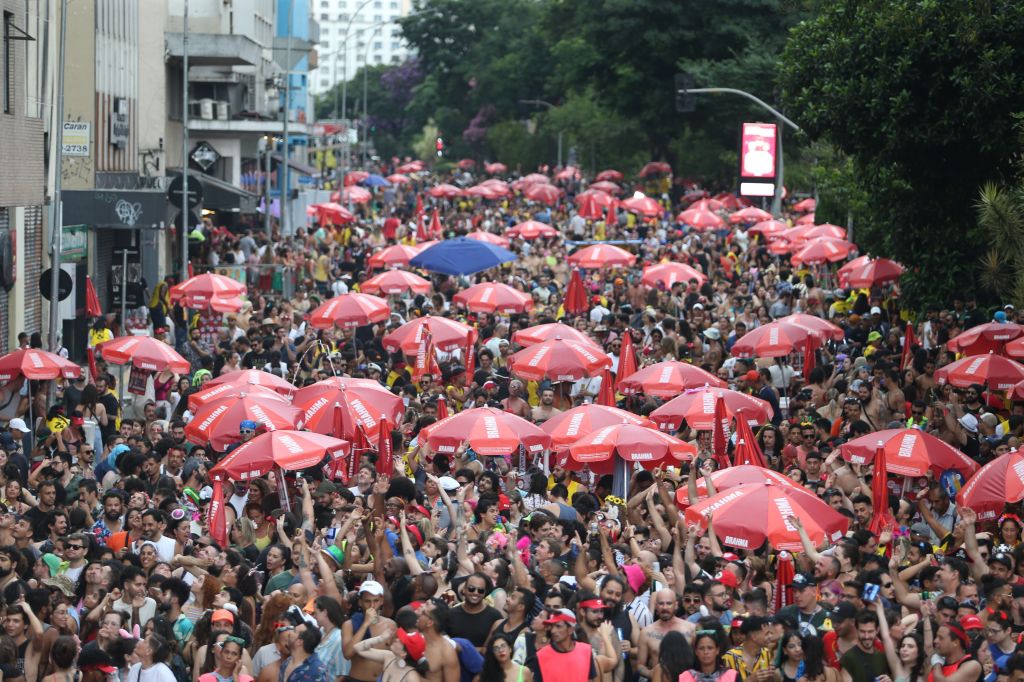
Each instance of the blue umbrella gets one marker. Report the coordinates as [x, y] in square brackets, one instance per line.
[375, 181]
[461, 256]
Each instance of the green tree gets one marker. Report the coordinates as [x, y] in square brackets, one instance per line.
[1001, 219]
[920, 94]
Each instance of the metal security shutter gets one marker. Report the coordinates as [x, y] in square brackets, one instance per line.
[5, 310]
[31, 267]
[104, 262]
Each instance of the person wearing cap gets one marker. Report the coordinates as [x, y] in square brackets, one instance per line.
[665, 604]
[564, 658]
[843, 635]
[363, 625]
[599, 633]
[751, 660]
[805, 610]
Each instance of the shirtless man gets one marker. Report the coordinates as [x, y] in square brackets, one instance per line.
[354, 630]
[547, 408]
[442, 661]
[514, 403]
[665, 622]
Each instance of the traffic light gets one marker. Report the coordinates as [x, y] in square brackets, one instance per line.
[685, 102]
[439, 145]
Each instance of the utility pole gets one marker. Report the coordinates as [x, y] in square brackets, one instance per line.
[185, 217]
[56, 208]
[286, 153]
[781, 173]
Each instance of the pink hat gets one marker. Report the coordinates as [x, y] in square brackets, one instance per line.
[634, 576]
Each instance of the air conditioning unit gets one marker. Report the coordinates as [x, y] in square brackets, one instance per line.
[223, 111]
[206, 109]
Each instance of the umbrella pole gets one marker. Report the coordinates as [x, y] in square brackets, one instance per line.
[620, 478]
[282, 489]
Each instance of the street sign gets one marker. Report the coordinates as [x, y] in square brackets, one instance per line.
[195, 192]
[77, 138]
[205, 156]
[64, 284]
[757, 159]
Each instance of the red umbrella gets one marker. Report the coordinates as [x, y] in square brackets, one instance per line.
[495, 168]
[666, 275]
[769, 229]
[707, 204]
[548, 332]
[362, 402]
[144, 352]
[226, 305]
[601, 256]
[333, 213]
[909, 452]
[773, 340]
[411, 167]
[668, 379]
[493, 297]
[998, 483]
[733, 477]
[826, 230]
[882, 514]
[354, 178]
[781, 247]
[217, 421]
[535, 178]
[653, 168]
[849, 266]
[398, 179]
[729, 201]
[720, 434]
[482, 191]
[224, 391]
[254, 377]
[747, 515]
[985, 338]
[701, 219]
[559, 360]
[575, 302]
[350, 310]
[606, 396]
[593, 203]
[796, 233]
[288, 450]
[874, 271]
[807, 204]
[785, 572]
[994, 371]
[487, 430]
[444, 191]
[356, 195]
[805, 219]
[609, 175]
[199, 291]
[822, 327]
[645, 206]
[747, 450]
[697, 408]
[488, 237]
[395, 282]
[627, 360]
[92, 301]
[545, 194]
[499, 186]
[750, 214]
[392, 256]
[568, 173]
[37, 365]
[446, 335]
[606, 186]
[631, 442]
[822, 250]
[466, 164]
[532, 229]
[567, 427]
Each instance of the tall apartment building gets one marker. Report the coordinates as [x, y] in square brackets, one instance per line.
[357, 32]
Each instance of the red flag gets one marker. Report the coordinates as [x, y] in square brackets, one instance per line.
[627, 359]
[471, 357]
[575, 302]
[607, 395]
[93, 370]
[747, 449]
[421, 229]
[92, 301]
[385, 449]
[215, 515]
[425, 362]
[809, 357]
[442, 408]
[720, 434]
[436, 231]
[882, 515]
[784, 574]
[909, 341]
[191, 272]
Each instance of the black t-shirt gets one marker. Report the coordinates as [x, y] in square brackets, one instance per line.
[472, 626]
[38, 520]
[864, 667]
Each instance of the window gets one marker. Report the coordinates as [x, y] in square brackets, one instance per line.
[324, 4]
[395, 45]
[324, 16]
[394, 5]
[377, 18]
[395, 59]
[343, 17]
[359, 58]
[378, 45]
[378, 4]
[377, 59]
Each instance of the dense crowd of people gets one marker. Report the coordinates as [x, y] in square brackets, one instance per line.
[466, 567]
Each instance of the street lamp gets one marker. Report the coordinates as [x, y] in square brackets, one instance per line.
[550, 106]
[366, 71]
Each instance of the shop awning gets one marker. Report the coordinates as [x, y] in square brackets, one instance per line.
[297, 166]
[220, 195]
[115, 209]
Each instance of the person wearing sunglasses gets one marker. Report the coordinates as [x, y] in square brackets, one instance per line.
[473, 618]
